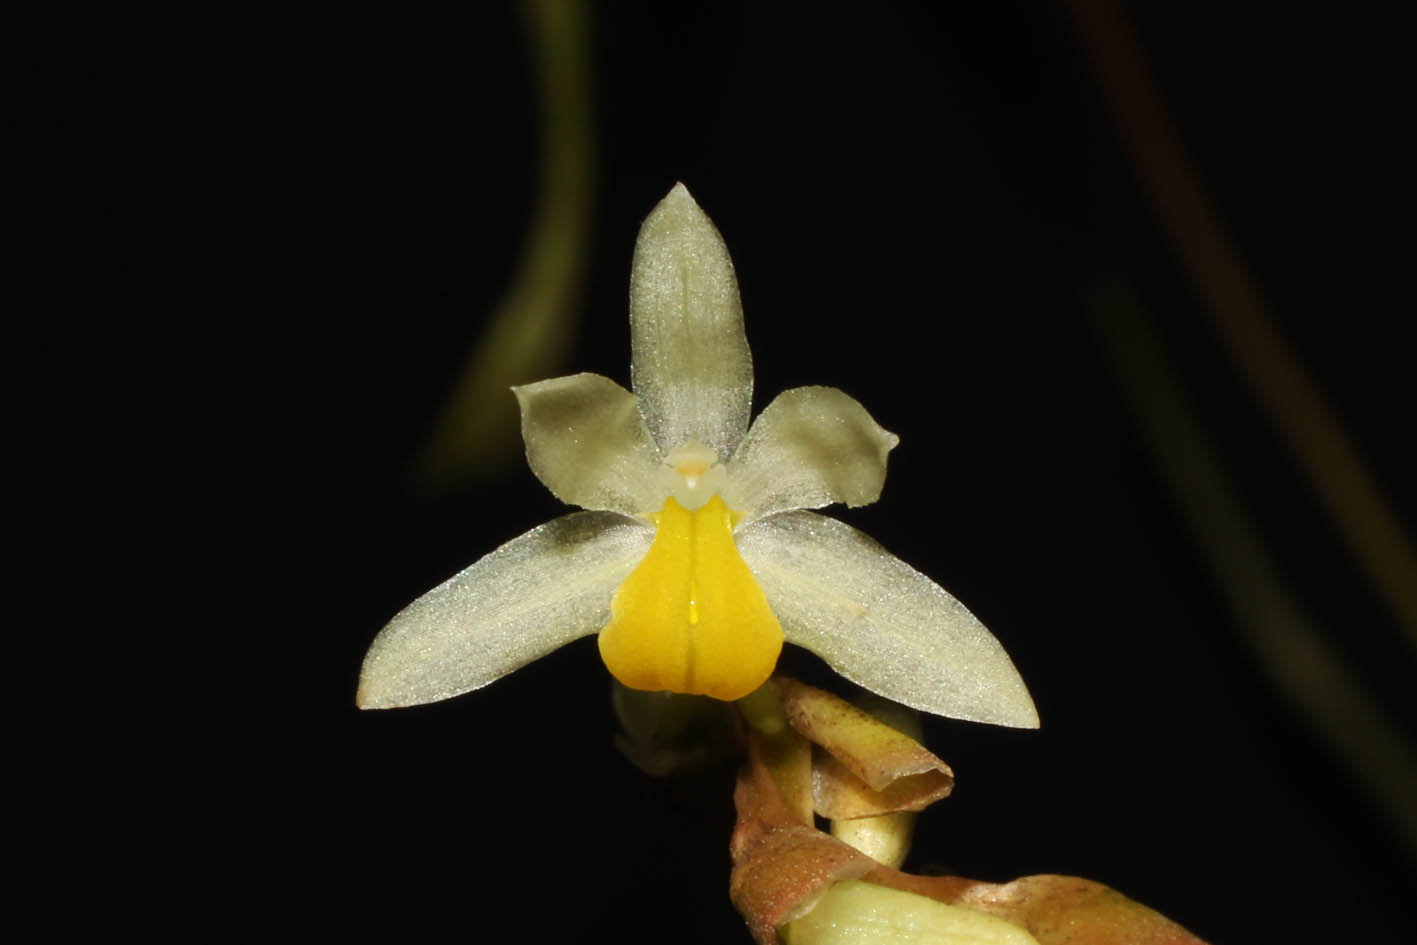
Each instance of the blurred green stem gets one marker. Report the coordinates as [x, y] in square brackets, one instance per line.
[534, 324]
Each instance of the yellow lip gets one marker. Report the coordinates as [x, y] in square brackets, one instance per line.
[691, 617]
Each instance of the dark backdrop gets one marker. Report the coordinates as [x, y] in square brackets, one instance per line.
[917, 199]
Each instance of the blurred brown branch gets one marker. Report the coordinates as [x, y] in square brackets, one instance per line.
[1240, 315]
[1287, 645]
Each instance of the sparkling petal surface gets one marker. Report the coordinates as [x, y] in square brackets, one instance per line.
[689, 358]
[586, 441]
[810, 447]
[537, 592]
[881, 623]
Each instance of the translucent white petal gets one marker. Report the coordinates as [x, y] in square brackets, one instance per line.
[811, 447]
[689, 359]
[586, 441]
[530, 596]
[881, 623]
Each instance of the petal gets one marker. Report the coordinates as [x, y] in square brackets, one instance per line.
[689, 359]
[586, 441]
[811, 447]
[535, 593]
[881, 623]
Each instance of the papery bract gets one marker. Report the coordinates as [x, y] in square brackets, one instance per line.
[783, 867]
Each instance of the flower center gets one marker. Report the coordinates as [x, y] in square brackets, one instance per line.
[692, 475]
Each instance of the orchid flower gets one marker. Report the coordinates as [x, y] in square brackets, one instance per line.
[695, 556]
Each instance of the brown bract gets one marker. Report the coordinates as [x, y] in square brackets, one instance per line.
[869, 767]
[782, 865]
[1067, 910]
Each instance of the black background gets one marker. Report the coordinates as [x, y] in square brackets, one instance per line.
[912, 197]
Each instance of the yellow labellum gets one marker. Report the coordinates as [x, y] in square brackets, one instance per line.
[691, 616]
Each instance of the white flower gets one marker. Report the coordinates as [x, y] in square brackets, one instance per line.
[695, 557]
